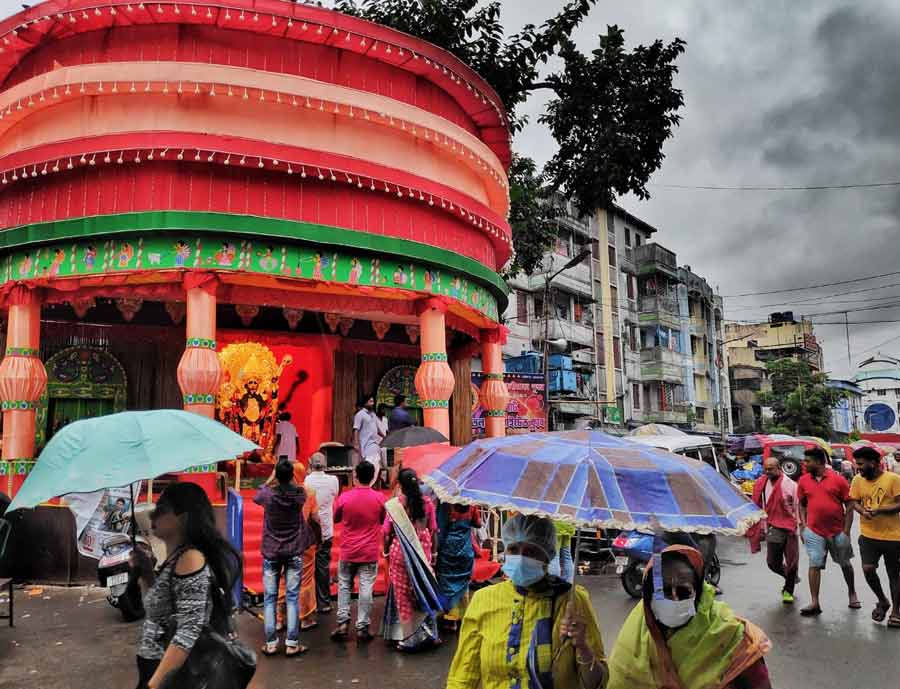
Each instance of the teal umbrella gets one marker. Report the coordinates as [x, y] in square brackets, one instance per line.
[119, 449]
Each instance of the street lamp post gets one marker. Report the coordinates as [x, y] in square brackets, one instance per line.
[572, 262]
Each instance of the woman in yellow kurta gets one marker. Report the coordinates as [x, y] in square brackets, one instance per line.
[534, 631]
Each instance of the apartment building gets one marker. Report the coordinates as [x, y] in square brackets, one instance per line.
[644, 336]
[749, 346]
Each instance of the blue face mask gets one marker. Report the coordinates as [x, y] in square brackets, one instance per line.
[523, 571]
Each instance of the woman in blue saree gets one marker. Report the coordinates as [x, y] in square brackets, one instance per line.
[456, 556]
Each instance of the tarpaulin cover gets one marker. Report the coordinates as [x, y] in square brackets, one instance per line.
[594, 479]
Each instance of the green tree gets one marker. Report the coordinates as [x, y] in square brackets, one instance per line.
[532, 215]
[799, 398]
[611, 111]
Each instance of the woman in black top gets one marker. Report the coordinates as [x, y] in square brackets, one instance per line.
[191, 587]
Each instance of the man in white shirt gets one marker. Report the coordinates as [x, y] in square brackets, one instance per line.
[287, 442]
[366, 439]
[326, 489]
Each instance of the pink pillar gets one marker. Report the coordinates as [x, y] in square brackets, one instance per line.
[22, 375]
[199, 371]
[494, 395]
[434, 379]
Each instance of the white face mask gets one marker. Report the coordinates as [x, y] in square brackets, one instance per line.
[673, 613]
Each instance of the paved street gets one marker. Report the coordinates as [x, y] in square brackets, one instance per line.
[75, 640]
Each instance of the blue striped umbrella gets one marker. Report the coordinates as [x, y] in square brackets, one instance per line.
[593, 479]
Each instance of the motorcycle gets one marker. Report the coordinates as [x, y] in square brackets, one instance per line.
[633, 550]
[114, 571]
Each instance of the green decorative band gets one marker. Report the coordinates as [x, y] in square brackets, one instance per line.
[18, 405]
[21, 351]
[434, 356]
[201, 469]
[199, 398]
[22, 467]
[495, 412]
[450, 271]
[493, 376]
[434, 404]
[200, 343]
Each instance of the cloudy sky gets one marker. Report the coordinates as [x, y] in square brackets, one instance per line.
[792, 93]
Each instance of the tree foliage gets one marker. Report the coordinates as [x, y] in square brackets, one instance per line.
[799, 398]
[532, 215]
[611, 112]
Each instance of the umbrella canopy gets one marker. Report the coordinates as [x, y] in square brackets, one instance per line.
[118, 449]
[656, 429]
[423, 459]
[593, 479]
[412, 436]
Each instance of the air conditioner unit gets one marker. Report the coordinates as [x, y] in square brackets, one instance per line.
[583, 356]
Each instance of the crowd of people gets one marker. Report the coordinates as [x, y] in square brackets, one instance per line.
[818, 511]
[535, 629]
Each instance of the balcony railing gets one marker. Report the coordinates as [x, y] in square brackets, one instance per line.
[676, 415]
[626, 261]
[659, 309]
[660, 364]
[652, 257]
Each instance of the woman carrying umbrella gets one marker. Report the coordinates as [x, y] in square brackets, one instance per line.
[682, 638]
[189, 590]
[535, 631]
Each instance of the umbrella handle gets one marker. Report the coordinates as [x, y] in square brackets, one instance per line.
[133, 520]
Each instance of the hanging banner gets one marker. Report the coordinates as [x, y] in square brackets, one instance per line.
[526, 411]
[99, 515]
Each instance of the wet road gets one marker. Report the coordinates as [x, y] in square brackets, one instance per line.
[71, 639]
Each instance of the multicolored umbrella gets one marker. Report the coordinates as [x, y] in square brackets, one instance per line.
[593, 479]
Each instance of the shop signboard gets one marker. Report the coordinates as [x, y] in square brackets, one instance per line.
[526, 411]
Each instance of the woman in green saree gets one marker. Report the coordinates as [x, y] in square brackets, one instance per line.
[684, 638]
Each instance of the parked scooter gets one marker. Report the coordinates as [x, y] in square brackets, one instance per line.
[633, 550]
[114, 572]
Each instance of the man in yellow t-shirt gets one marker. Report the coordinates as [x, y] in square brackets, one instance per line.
[875, 494]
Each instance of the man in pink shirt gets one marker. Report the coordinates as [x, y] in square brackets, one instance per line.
[777, 495]
[361, 511]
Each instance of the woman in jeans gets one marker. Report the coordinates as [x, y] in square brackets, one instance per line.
[190, 589]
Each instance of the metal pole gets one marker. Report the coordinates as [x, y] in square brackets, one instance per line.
[849, 357]
[547, 349]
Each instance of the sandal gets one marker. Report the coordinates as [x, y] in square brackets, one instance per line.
[811, 611]
[269, 649]
[295, 650]
[341, 632]
[880, 612]
[307, 627]
[856, 605]
[894, 622]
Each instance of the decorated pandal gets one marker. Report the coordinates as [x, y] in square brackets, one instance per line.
[243, 207]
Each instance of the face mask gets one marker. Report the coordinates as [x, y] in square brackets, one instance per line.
[523, 571]
[673, 613]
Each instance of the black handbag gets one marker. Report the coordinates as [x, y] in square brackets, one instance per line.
[218, 660]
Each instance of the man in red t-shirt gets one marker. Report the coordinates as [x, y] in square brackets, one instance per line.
[825, 523]
[361, 511]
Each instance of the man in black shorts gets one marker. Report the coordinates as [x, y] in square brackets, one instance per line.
[875, 494]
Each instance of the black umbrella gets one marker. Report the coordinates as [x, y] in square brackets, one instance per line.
[412, 436]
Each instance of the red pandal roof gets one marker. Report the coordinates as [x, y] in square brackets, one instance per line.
[59, 19]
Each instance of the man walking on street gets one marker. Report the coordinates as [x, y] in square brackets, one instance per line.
[825, 522]
[326, 488]
[365, 433]
[777, 495]
[875, 494]
[361, 511]
[285, 537]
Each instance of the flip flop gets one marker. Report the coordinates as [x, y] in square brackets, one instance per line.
[341, 632]
[854, 606]
[894, 622]
[295, 650]
[306, 628]
[267, 650]
[811, 612]
[880, 612]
